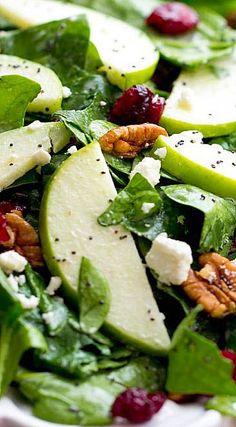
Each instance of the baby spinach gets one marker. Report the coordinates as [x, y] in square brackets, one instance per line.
[196, 365]
[78, 122]
[219, 215]
[16, 92]
[93, 297]
[127, 207]
[88, 403]
[228, 142]
[212, 39]
[16, 336]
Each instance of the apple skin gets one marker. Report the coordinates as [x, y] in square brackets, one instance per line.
[208, 130]
[56, 268]
[193, 173]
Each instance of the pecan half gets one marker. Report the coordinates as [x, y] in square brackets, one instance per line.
[128, 141]
[214, 286]
[23, 238]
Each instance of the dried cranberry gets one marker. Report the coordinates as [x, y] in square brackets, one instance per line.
[137, 406]
[228, 354]
[173, 18]
[6, 207]
[137, 105]
[4, 236]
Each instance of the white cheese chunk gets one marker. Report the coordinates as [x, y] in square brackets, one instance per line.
[150, 169]
[147, 207]
[21, 279]
[66, 92]
[54, 285]
[170, 259]
[28, 303]
[48, 317]
[161, 152]
[12, 261]
[42, 157]
[72, 149]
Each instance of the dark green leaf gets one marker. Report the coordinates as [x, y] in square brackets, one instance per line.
[93, 297]
[78, 122]
[127, 208]
[16, 92]
[196, 365]
[58, 400]
[220, 216]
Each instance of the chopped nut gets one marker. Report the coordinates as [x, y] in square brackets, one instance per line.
[214, 286]
[23, 238]
[128, 141]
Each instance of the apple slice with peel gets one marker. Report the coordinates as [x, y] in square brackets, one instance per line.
[209, 167]
[77, 194]
[203, 100]
[49, 99]
[127, 54]
[23, 149]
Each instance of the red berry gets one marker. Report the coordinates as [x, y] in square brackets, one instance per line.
[137, 406]
[137, 105]
[6, 207]
[228, 354]
[4, 236]
[173, 18]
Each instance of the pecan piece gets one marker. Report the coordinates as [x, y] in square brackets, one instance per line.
[24, 238]
[128, 141]
[214, 286]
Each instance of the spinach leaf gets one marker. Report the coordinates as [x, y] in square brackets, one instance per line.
[16, 335]
[16, 92]
[226, 405]
[206, 371]
[59, 400]
[60, 45]
[128, 207]
[230, 333]
[78, 122]
[93, 297]
[228, 142]
[219, 216]
[212, 39]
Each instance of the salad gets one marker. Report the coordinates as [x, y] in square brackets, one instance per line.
[117, 207]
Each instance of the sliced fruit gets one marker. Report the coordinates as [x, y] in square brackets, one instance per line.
[50, 97]
[115, 40]
[23, 149]
[70, 231]
[203, 100]
[209, 167]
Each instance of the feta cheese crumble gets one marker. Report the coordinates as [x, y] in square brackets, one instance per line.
[12, 261]
[147, 207]
[21, 279]
[28, 303]
[72, 149]
[48, 317]
[42, 157]
[66, 92]
[54, 285]
[161, 152]
[170, 259]
[150, 169]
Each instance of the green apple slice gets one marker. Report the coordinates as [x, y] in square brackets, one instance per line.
[23, 149]
[77, 194]
[127, 54]
[49, 99]
[203, 100]
[209, 167]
